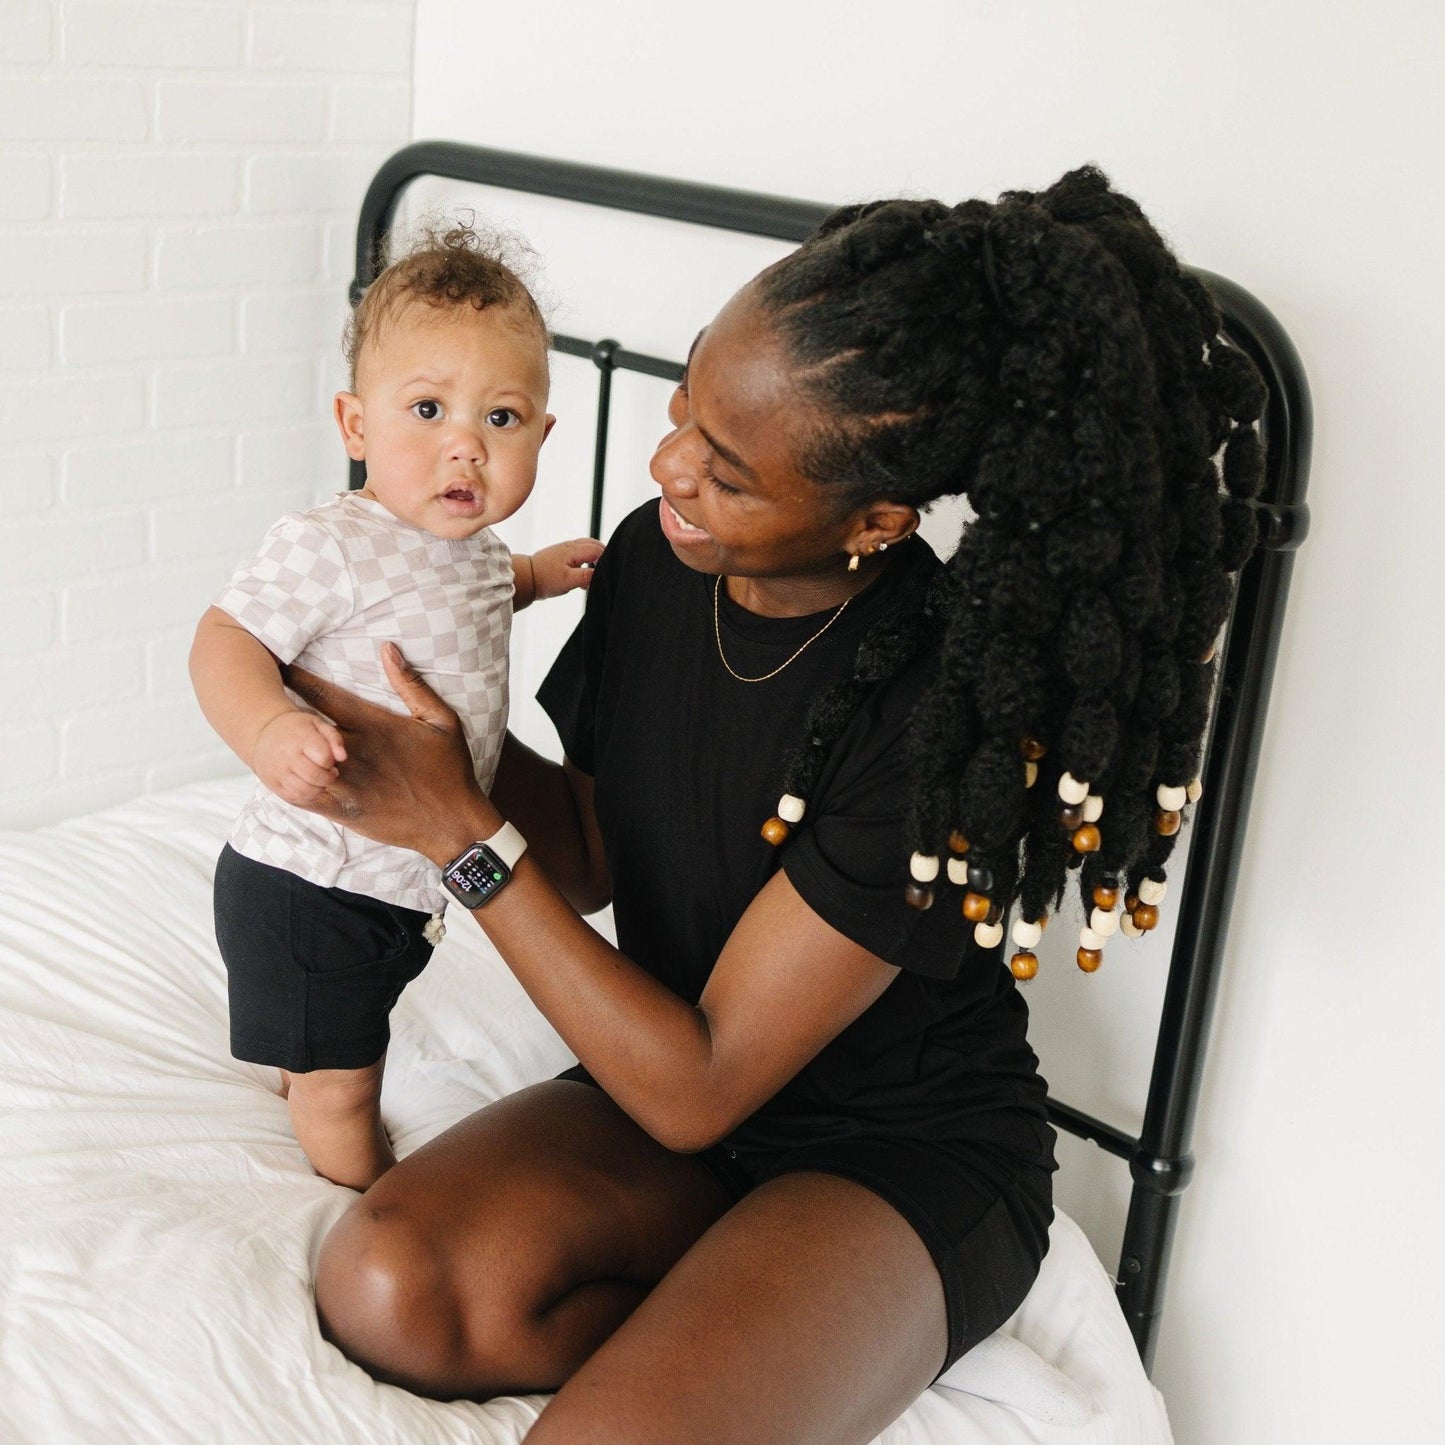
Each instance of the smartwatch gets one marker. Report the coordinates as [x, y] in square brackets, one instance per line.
[485, 868]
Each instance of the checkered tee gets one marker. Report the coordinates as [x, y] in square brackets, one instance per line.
[327, 588]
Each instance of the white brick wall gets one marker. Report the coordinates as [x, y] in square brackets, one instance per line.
[179, 181]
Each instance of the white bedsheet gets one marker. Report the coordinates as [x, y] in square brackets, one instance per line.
[158, 1222]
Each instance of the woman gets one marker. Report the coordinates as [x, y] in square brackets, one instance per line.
[804, 1164]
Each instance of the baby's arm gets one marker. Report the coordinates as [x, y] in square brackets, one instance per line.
[238, 684]
[553, 571]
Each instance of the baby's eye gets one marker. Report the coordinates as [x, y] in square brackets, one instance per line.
[427, 409]
[502, 416]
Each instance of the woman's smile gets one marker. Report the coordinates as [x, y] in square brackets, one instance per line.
[677, 529]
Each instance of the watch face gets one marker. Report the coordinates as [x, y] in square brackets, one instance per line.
[475, 876]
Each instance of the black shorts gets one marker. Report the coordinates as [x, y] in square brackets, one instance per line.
[312, 972]
[982, 1210]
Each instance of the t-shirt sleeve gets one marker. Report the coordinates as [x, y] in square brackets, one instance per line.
[297, 588]
[849, 862]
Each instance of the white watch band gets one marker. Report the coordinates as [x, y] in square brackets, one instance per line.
[508, 844]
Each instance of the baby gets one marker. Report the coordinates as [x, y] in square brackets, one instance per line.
[321, 929]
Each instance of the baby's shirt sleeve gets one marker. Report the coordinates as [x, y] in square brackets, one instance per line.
[297, 587]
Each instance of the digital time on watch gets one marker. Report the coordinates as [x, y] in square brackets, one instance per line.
[483, 870]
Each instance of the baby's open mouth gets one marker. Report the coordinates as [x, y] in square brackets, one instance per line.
[461, 494]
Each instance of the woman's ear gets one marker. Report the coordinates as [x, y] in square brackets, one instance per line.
[884, 524]
[349, 419]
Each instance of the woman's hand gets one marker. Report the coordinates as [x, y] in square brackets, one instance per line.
[406, 780]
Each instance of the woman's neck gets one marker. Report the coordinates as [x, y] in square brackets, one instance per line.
[801, 596]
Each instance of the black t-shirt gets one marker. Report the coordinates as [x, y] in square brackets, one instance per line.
[688, 764]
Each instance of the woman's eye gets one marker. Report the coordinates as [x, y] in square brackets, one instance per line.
[502, 416]
[716, 481]
[427, 409]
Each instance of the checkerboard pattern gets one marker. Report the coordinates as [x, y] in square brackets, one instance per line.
[327, 588]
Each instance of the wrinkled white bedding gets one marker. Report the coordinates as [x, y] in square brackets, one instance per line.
[158, 1222]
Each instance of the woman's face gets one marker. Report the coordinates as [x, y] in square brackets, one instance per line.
[734, 500]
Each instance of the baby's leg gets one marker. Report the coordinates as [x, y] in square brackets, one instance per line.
[336, 1114]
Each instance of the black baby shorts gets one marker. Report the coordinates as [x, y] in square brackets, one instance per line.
[312, 972]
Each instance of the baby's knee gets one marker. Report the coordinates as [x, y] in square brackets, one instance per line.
[336, 1091]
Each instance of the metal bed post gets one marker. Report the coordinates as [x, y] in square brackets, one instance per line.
[1159, 1160]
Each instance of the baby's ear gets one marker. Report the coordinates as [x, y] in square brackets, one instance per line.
[547, 429]
[349, 420]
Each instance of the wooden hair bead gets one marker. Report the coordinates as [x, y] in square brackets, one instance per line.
[918, 895]
[958, 872]
[1031, 774]
[1171, 800]
[1071, 790]
[995, 913]
[1024, 965]
[791, 808]
[1128, 927]
[1151, 890]
[1106, 897]
[957, 843]
[1087, 839]
[975, 907]
[1131, 901]
[1032, 749]
[1093, 807]
[1071, 816]
[1089, 959]
[923, 867]
[987, 935]
[1166, 822]
[1146, 916]
[980, 878]
[1026, 933]
[1194, 790]
[775, 831]
[1104, 922]
[1089, 939]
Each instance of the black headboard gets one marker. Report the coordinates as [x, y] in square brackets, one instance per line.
[1159, 1158]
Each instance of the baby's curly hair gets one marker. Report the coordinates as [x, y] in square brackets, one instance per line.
[445, 264]
[1048, 358]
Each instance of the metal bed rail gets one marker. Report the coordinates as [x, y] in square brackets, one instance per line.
[1160, 1162]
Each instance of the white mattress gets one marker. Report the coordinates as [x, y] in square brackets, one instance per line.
[158, 1222]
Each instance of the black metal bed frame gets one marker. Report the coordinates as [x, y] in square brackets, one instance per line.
[1159, 1159]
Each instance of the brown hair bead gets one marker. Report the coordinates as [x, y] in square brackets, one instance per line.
[918, 896]
[976, 907]
[1166, 823]
[1032, 749]
[1105, 898]
[1131, 902]
[1089, 958]
[1087, 839]
[957, 843]
[775, 831]
[995, 913]
[1145, 916]
[1024, 965]
[1071, 815]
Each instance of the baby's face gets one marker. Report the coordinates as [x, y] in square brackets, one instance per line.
[449, 413]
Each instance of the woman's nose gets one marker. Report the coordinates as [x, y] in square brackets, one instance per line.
[674, 466]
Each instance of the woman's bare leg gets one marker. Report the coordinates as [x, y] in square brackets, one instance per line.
[497, 1258]
[811, 1314]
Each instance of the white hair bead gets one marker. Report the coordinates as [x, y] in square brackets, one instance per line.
[1152, 891]
[1129, 927]
[791, 809]
[988, 935]
[1071, 790]
[1031, 773]
[1171, 799]
[1026, 934]
[1093, 808]
[923, 867]
[958, 872]
[1089, 939]
[1194, 790]
[1104, 922]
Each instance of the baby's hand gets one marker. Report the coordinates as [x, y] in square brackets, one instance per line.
[295, 755]
[564, 566]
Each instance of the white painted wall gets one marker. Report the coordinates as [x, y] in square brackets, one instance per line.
[1295, 147]
[178, 185]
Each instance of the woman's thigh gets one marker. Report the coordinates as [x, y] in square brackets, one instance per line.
[811, 1312]
[498, 1257]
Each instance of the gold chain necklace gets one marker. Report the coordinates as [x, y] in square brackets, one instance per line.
[717, 633]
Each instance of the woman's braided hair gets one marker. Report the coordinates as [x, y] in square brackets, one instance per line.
[1047, 358]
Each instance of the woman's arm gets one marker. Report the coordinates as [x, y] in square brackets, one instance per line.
[786, 983]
